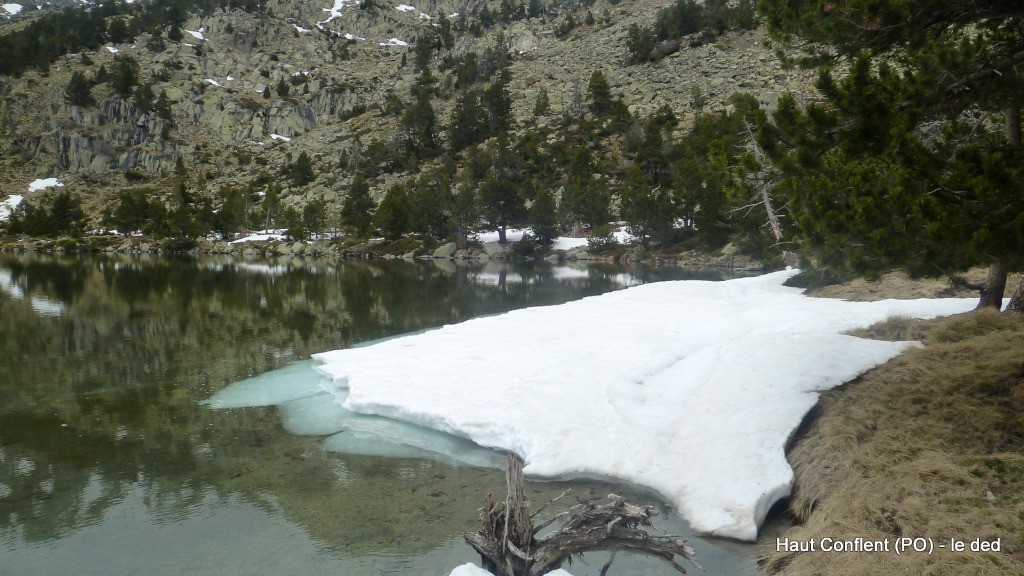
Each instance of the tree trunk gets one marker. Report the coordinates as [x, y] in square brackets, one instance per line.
[502, 238]
[1017, 300]
[995, 285]
[994, 288]
[460, 238]
[1013, 132]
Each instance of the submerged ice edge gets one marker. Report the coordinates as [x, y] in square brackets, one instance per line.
[312, 405]
[688, 388]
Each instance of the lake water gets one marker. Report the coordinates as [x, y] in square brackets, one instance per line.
[110, 464]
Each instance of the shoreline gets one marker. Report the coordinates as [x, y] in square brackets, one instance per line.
[928, 445]
[342, 248]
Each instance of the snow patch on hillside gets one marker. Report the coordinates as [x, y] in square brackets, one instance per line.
[8, 206]
[43, 184]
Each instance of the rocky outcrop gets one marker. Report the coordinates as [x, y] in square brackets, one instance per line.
[223, 91]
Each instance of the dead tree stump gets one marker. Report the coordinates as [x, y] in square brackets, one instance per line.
[509, 546]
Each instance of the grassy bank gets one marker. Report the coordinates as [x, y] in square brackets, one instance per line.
[930, 444]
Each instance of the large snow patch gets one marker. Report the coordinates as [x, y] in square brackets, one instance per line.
[690, 388]
[8, 206]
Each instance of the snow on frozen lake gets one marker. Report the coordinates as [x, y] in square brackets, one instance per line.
[43, 184]
[689, 388]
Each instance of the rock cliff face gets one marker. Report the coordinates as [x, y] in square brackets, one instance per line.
[340, 60]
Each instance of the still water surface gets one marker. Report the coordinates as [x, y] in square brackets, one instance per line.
[110, 465]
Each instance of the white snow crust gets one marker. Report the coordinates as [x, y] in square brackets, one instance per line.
[405, 8]
[197, 35]
[279, 137]
[12, 9]
[690, 388]
[261, 235]
[334, 11]
[560, 243]
[43, 184]
[8, 206]
[394, 42]
[474, 570]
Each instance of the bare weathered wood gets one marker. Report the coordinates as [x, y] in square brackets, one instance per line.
[508, 544]
[1017, 300]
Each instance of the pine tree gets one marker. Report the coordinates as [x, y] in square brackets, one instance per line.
[229, 218]
[132, 212]
[358, 208]
[301, 171]
[640, 42]
[466, 127]
[465, 213]
[648, 208]
[503, 192]
[497, 106]
[79, 90]
[393, 213]
[420, 122]
[534, 9]
[66, 215]
[600, 94]
[911, 175]
[584, 200]
[542, 106]
[163, 107]
[543, 220]
[144, 98]
[174, 34]
[117, 31]
[292, 220]
[314, 216]
[271, 206]
[124, 74]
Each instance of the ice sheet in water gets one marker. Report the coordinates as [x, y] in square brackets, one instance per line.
[292, 382]
[312, 406]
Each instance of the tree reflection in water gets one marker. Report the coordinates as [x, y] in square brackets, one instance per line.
[105, 359]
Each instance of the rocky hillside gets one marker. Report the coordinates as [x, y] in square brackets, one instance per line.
[244, 93]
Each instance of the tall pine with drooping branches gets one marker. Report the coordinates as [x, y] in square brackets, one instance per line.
[913, 159]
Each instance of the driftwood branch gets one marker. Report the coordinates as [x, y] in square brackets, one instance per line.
[508, 544]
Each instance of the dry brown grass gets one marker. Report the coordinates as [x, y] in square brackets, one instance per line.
[930, 444]
[899, 285]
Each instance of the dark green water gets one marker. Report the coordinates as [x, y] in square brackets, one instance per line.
[109, 465]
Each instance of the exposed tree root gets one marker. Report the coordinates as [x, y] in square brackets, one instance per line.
[509, 545]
